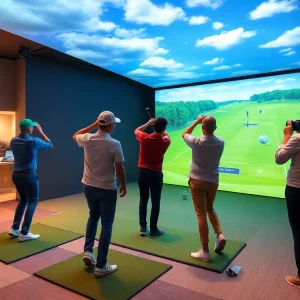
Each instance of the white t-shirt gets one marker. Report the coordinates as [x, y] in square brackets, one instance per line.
[101, 152]
[207, 152]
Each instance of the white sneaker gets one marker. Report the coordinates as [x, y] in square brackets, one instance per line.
[107, 269]
[201, 255]
[89, 259]
[14, 233]
[220, 243]
[28, 237]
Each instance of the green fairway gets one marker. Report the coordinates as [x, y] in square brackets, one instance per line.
[259, 174]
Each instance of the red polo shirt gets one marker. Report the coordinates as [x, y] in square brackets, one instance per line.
[152, 150]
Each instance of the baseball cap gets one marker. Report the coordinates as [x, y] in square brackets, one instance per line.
[27, 123]
[107, 118]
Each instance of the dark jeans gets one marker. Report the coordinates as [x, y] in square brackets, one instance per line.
[27, 185]
[153, 181]
[292, 196]
[102, 204]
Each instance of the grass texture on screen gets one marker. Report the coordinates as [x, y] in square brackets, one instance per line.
[258, 172]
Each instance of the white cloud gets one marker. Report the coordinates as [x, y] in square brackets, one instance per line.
[214, 4]
[271, 7]
[278, 81]
[183, 75]
[94, 24]
[94, 56]
[226, 67]
[145, 12]
[245, 83]
[245, 72]
[198, 20]
[222, 68]
[37, 17]
[265, 81]
[296, 63]
[143, 72]
[214, 61]
[103, 50]
[276, 87]
[125, 33]
[218, 25]
[160, 63]
[226, 40]
[289, 53]
[160, 51]
[192, 68]
[167, 83]
[285, 50]
[289, 38]
[74, 40]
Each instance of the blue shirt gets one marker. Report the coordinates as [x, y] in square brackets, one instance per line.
[25, 149]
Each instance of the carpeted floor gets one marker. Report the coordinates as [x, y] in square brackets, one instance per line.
[261, 222]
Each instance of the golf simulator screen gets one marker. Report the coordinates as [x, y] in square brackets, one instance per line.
[250, 114]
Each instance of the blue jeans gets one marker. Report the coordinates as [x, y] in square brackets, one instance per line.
[292, 196]
[102, 204]
[27, 185]
[149, 180]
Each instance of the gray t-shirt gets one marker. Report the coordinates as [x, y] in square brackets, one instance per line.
[207, 151]
[291, 150]
[101, 152]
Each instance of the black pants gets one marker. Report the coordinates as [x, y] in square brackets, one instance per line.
[153, 181]
[292, 196]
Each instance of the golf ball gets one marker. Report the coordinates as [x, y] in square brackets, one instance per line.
[263, 139]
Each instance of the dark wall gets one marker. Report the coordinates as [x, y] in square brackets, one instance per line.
[66, 97]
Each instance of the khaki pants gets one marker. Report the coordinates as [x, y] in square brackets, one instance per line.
[203, 194]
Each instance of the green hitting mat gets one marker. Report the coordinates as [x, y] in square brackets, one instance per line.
[133, 275]
[175, 245]
[11, 250]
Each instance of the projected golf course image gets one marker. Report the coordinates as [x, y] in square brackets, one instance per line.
[250, 114]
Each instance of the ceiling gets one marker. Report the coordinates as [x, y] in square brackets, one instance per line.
[163, 42]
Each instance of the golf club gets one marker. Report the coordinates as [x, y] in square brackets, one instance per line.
[147, 110]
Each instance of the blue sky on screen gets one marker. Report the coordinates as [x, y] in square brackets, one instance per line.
[236, 90]
[162, 42]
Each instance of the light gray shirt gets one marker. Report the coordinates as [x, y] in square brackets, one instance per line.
[206, 156]
[101, 152]
[291, 150]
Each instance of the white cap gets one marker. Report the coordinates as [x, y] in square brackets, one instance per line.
[107, 118]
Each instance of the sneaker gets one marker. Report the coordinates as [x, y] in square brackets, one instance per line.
[107, 269]
[89, 259]
[293, 280]
[14, 232]
[201, 255]
[220, 243]
[28, 237]
[157, 232]
[143, 231]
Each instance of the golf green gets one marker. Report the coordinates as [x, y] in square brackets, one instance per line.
[133, 275]
[175, 245]
[11, 250]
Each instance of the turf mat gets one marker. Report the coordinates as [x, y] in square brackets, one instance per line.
[175, 245]
[133, 275]
[11, 250]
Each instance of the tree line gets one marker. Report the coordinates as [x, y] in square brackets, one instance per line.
[287, 95]
[179, 113]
